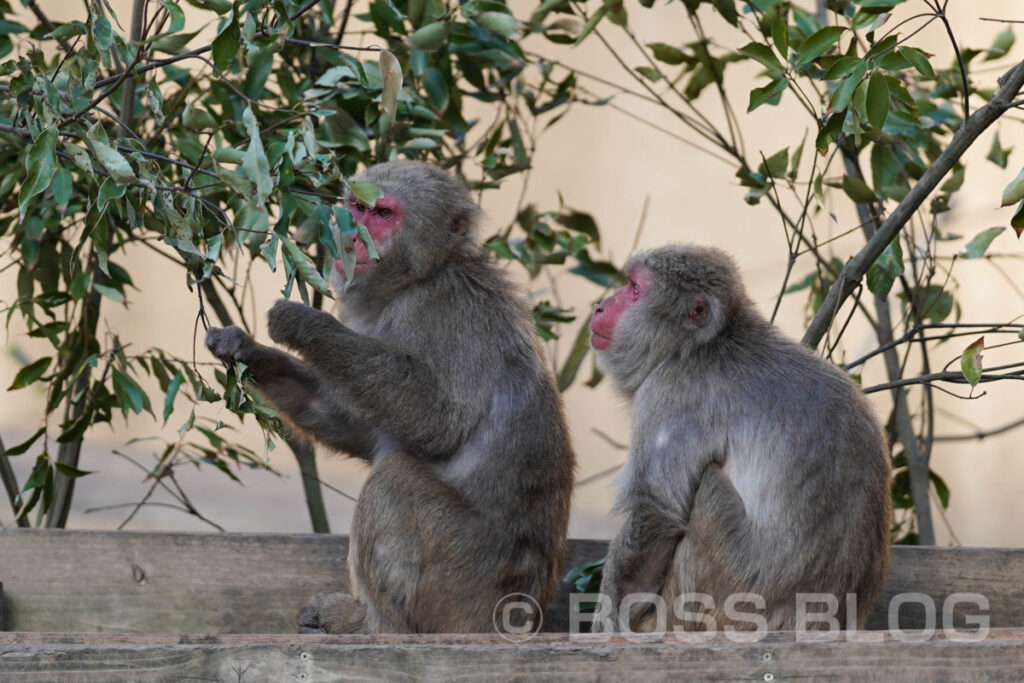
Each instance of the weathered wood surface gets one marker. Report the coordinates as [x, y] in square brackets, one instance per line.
[129, 582]
[248, 659]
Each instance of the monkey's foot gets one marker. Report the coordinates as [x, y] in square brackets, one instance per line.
[332, 613]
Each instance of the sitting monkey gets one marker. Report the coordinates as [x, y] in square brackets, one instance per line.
[436, 380]
[755, 466]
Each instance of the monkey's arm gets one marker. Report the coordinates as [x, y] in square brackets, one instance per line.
[396, 391]
[294, 391]
[639, 559]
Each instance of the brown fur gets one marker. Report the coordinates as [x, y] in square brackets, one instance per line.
[437, 380]
[755, 466]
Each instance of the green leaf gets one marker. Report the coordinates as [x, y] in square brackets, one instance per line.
[303, 265]
[391, 74]
[727, 8]
[172, 392]
[431, 37]
[775, 165]
[649, 73]
[580, 346]
[1002, 45]
[763, 54]
[769, 94]
[102, 32]
[844, 93]
[505, 25]
[592, 22]
[842, 67]
[887, 267]
[30, 373]
[68, 30]
[979, 244]
[41, 164]
[111, 160]
[62, 189]
[817, 44]
[367, 193]
[577, 221]
[997, 154]
[79, 157]
[919, 60]
[437, 89]
[226, 44]
[173, 44]
[1017, 222]
[24, 445]
[69, 471]
[857, 190]
[109, 292]
[197, 119]
[129, 394]
[970, 361]
[175, 14]
[255, 165]
[667, 53]
[1014, 192]
[218, 6]
[878, 100]
[933, 301]
[367, 240]
[780, 35]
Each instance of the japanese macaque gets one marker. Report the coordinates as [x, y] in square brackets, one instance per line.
[755, 466]
[435, 379]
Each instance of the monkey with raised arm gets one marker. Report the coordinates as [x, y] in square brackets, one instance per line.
[755, 466]
[435, 378]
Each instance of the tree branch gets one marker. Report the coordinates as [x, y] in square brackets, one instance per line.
[10, 484]
[857, 266]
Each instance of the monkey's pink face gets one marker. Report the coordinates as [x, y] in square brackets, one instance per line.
[383, 222]
[608, 312]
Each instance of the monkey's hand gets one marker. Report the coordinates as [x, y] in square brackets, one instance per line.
[293, 324]
[332, 613]
[230, 344]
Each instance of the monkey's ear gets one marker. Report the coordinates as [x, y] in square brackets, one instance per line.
[460, 225]
[700, 311]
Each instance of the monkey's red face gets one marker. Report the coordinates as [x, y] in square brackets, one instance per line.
[383, 221]
[608, 312]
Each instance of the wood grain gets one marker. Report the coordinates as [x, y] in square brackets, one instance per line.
[246, 659]
[130, 582]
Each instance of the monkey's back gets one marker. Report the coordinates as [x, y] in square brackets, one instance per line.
[805, 452]
[514, 466]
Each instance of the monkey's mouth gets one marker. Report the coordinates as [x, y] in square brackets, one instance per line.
[599, 341]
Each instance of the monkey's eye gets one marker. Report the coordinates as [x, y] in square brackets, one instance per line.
[383, 211]
[359, 206]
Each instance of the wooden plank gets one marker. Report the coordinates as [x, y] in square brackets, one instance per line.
[246, 659]
[164, 583]
[994, 573]
[254, 583]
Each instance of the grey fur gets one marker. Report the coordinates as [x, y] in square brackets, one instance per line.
[755, 466]
[437, 380]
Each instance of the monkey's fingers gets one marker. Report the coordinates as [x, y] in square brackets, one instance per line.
[227, 343]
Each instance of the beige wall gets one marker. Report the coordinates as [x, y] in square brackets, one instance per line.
[607, 164]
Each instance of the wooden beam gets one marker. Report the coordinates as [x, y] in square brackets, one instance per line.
[132, 582]
[247, 659]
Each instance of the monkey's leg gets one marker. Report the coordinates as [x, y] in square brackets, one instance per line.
[638, 561]
[422, 560]
[295, 391]
[724, 554]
